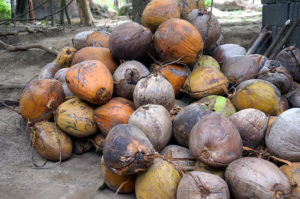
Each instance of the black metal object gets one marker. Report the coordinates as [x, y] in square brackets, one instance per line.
[276, 13]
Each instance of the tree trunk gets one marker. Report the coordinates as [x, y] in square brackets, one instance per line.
[22, 7]
[138, 7]
[85, 14]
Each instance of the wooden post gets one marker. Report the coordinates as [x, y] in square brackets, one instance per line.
[13, 11]
[51, 10]
[31, 11]
[138, 7]
[67, 13]
[85, 14]
[62, 14]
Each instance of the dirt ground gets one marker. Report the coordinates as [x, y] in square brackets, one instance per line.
[80, 176]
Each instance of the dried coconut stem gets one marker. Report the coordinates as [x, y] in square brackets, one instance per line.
[267, 155]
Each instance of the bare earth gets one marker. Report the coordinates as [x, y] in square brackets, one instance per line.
[76, 178]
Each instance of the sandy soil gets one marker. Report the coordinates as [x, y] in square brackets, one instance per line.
[80, 176]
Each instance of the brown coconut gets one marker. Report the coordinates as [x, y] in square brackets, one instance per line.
[185, 121]
[126, 77]
[278, 75]
[129, 41]
[127, 150]
[240, 68]
[155, 122]
[199, 18]
[283, 140]
[215, 140]
[154, 89]
[179, 155]
[79, 39]
[200, 185]
[226, 51]
[98, 39]
[256, 178]
[251, 124]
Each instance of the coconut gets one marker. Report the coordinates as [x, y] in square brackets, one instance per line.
[67, 91]
[126, 76]
[251, 124]
[259, 59]
[225, 51]
[293, 174]
[200, 185]
[154, 89]
[177, 39]
[50, 142]
[127, 150]
[91, 81]
[81, 145]
[215, 140]
[98, 39]
[283, 139]
[120, 183]
[116, 111]
[155, 122]
[275, 73]
[199, 18]
[294, 98]
[218, 104]
[283, 104]
[129, 41]
[185, 120]
[240, 68]
[48, 71]
[178, 106]
[256, 178]
[159, 181]
[79, 39]
[179, 155]
[204, 81]
[40, 98]
[290, 59]
[218, 171]
[175, 74]
[98, 142]
[186, 6]
[158, 11]
[206, 60]
[258, 94]
[96, 53]
[60, 75]
[75, 117]
[65, 57]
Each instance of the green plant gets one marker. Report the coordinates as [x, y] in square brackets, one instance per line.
[5, 10]
[207, 3]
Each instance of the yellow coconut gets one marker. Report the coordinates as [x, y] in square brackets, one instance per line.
[200, 166]
[50, 141]
[206, 60]
[122, 183]
[204, 81]
[293, 174]
[159, 181]
[258, 94]
[65, 57]
[76, 118]
[158, 11]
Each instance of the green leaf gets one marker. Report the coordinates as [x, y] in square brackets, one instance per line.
[102, 186]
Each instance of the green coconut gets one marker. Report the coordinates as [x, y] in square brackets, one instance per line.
[258, 94]
[219, 104]
[204, 81]
[206, 60]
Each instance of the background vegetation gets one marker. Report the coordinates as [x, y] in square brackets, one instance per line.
[5, 10]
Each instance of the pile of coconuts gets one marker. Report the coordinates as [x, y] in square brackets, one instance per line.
[174, 113]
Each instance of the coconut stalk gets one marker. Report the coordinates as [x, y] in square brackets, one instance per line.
[259, 40]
